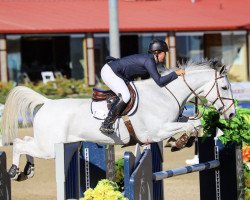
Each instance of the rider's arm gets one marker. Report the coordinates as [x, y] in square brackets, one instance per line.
[160, 80]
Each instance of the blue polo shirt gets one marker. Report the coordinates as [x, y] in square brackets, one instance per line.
[140, 65]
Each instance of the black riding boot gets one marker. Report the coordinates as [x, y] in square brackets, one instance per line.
[115, 111]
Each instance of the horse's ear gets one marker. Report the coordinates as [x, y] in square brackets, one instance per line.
[224, 69]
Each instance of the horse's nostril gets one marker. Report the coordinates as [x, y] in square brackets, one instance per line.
[220, 110]
[231, 115]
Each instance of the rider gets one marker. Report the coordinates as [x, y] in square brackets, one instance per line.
[117, 73]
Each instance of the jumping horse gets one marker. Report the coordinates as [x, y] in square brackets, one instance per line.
[69, 120]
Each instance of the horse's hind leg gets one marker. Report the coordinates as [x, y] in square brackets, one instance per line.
[14, 169]
[30, 149]
[29, 169]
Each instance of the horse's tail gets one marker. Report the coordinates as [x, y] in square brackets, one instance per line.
[21, 103]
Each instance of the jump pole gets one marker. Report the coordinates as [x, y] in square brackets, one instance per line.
[185, 170]
[220, 177]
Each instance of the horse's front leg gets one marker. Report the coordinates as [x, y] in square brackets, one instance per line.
[187, 129]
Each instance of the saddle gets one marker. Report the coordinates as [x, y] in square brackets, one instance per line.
[110, 97]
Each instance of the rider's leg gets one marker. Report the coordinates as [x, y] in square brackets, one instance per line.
[118, 86]
[115, 111]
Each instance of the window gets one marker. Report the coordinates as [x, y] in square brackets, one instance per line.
[189, 46]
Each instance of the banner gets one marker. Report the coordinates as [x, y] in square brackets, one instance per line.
[241, 91]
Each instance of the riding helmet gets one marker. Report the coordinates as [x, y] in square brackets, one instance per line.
[157, 45]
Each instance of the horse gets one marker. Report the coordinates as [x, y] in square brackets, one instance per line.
[71, 119]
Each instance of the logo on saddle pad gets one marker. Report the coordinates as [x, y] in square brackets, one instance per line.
[102, 101]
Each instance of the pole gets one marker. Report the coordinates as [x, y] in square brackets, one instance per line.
[185, 170]
[114, 40]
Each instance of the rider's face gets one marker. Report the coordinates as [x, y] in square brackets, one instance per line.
[162, 56]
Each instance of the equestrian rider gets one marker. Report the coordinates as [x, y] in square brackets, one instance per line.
[117, 73]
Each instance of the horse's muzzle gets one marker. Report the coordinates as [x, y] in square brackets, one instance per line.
[231, 115]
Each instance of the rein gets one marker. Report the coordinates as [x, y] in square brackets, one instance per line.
[175, 98]
[180, 109]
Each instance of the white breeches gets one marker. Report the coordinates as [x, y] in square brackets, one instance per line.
[115, 83]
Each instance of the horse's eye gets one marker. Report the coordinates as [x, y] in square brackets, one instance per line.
[224, 88]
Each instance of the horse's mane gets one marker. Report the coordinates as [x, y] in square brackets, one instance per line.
[200, 64]
[191, 65]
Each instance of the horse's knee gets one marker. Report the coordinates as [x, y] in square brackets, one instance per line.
[190, 128]
[28, 138]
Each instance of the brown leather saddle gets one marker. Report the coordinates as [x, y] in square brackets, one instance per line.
[110, 97]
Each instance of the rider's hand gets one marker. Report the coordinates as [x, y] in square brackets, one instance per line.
[180, 72]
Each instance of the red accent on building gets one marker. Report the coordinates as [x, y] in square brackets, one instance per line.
[77, 16]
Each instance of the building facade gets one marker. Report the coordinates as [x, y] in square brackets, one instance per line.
[80, 53]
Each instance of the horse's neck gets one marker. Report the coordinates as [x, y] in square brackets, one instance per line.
[171, 95]
[179, 91]
[198, 78]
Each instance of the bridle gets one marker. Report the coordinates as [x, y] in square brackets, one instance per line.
[221, 110]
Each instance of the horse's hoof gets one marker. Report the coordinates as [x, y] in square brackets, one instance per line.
[190, 141]
[182, 141]
[173, 149]
[171, 142]
[29, 170]
[14, 172]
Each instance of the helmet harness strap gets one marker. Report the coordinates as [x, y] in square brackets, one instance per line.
[157, 56]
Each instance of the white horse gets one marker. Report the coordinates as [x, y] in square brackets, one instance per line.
[71, 120]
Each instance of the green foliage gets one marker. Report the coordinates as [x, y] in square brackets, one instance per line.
[60, 88]
[119, 173]
[235, 130]
[4, 90]
[247, 194]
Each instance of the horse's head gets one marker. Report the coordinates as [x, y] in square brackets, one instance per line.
[218, 92]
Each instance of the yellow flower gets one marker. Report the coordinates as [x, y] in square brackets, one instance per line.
[105, 190]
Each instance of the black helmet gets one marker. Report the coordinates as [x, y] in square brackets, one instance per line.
[157, 45]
